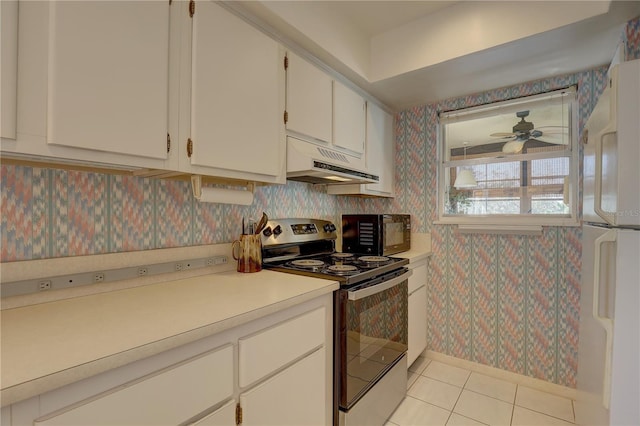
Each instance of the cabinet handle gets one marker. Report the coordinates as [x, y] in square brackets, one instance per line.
[606, 323]
[378, 288]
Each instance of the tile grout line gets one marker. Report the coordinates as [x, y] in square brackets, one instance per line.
[513, 403]
[515, 398]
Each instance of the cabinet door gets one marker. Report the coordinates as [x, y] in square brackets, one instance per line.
[417, 324]
[268, 350]
[380, 156]
[108, 76]
[237, 95]
[295, 396]
[348, 119]
[309, 100]
[8, 67]
[380, 149]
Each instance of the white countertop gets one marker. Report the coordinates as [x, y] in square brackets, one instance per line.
[420, 248]
[48, 345]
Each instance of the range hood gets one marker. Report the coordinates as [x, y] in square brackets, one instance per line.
[311, 163]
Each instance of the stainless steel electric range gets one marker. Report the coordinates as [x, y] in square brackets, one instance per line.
[370, 315]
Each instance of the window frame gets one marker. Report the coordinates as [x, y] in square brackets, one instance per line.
[511, 221]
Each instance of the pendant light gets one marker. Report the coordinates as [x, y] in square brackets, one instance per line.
[465, 178]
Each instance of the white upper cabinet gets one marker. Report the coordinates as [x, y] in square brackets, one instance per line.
[380, 156]
[321, 109]
[348, 119]
[93, 81]
[8, 67]
[237, 99]
[108, 76]
[380, 150]
[309, 100]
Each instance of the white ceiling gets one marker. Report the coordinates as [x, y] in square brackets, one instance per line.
[376, 17]
[408, 53]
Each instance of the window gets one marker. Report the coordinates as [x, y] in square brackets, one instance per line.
[510, 163]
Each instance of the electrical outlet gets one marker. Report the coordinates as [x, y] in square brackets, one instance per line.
[98, 277]
[44, 285]
[210, 261]
[143, 270]
[186, 265]
[179, 267]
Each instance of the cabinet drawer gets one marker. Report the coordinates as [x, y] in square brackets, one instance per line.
[418, 278]
[273, 348]
[303, 383]
[170, 396]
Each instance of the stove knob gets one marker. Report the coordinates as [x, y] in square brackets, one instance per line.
[267, 231]
[277, 230]
[329, 227]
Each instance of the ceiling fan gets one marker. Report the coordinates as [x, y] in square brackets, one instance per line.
[524, 131]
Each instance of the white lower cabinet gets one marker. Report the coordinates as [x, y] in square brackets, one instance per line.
[267, 351]
[169, 397]
[292, 397]
[273, 370]
[417, 311]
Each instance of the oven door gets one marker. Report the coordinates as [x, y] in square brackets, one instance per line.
[371, 333]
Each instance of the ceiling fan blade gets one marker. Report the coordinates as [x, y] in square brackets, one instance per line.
[502, 134]
[554, 131]
[513, 147]
[556, 139]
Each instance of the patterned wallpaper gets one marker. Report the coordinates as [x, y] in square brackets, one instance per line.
[511, 302]
[506, 301]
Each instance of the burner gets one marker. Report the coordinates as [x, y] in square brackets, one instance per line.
[371, 259]
[307, 263]
[342, 269]
[342, 255]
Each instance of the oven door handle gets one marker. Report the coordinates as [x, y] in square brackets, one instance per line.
[378, 288]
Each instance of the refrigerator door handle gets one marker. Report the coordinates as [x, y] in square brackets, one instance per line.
[597, 207]
[607, 323]
[609, 129]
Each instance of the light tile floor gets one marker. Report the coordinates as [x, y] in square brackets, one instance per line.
[440, 394]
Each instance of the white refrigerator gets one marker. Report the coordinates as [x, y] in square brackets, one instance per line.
[608, 379]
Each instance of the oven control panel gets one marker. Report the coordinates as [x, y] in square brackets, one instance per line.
[304, 228]
[297, 231]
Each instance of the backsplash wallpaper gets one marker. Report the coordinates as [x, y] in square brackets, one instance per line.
[511, 302]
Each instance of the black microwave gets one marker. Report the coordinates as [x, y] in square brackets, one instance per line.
[376, 234]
